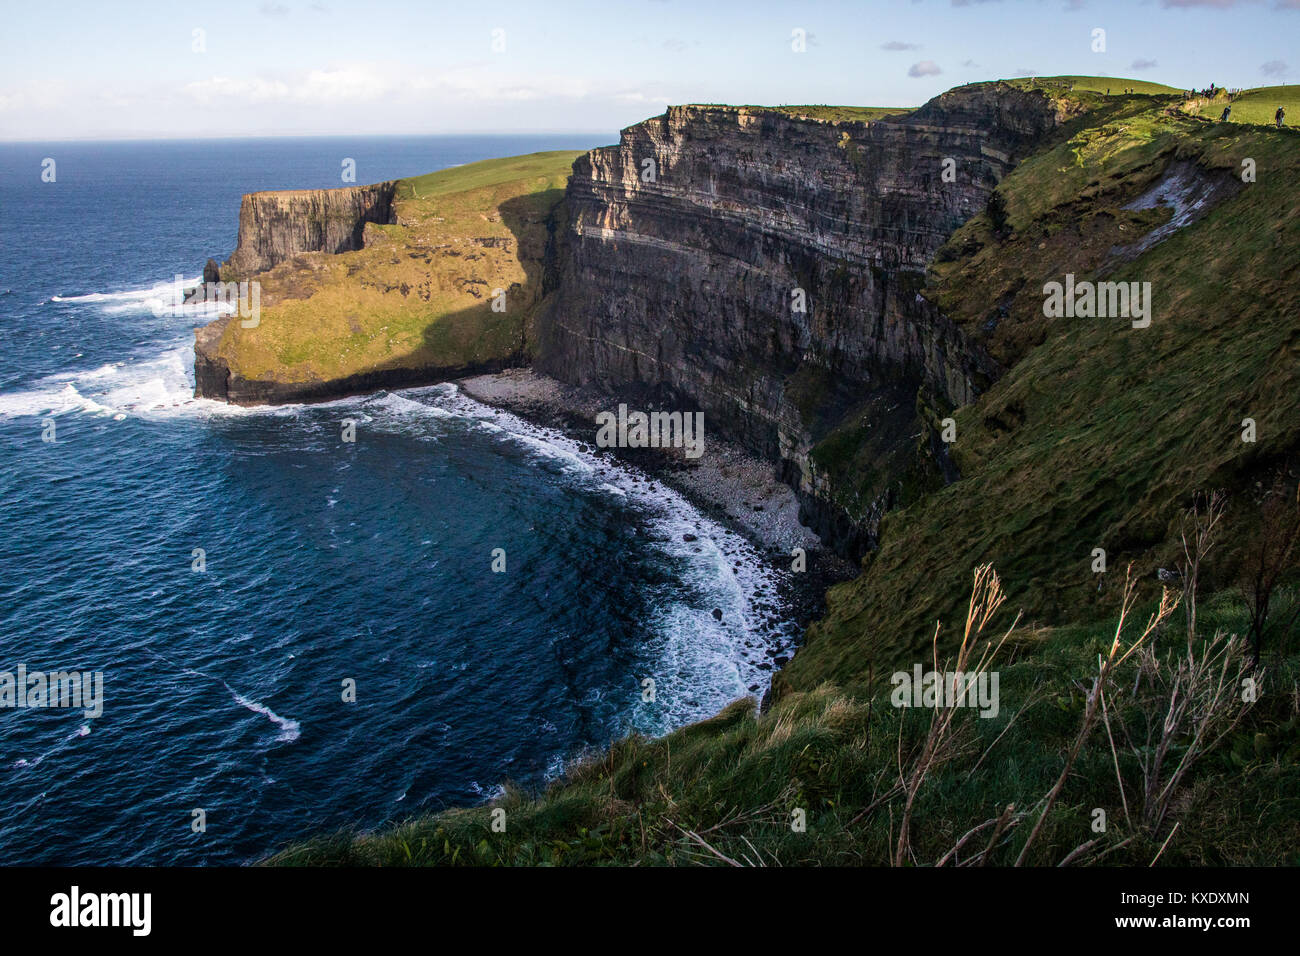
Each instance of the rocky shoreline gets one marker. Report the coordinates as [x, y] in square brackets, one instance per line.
[728, 484]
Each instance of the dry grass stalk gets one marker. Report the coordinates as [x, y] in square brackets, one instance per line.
[1106, 669]
[940, 746]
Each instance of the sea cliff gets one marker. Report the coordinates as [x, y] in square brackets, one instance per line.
[275, 226]
[765, 267]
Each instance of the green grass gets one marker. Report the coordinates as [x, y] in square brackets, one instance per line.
[1094, 84]
[549, 170]
[1257, 106]
[821, 111]
[839, 114]
[834, 752]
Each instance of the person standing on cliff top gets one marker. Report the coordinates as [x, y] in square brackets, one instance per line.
[1226, 111]
[1280, 115]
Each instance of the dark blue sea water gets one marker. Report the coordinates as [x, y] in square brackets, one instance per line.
[325, 561]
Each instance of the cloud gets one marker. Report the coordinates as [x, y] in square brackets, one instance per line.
[1143, 65]
[674, 44]
[899, 45]
[347, 84]
[364, 84]
[274, 9]
[924, 68]
[247, 90]
[970, 64]
[1274, 68]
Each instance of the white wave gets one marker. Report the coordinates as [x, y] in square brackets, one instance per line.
[487, 794]
[701, 663]
[160, 385]
[289, 729]
[160, 290]
[52, 401]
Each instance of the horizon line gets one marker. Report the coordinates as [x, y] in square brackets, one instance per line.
[135, 138]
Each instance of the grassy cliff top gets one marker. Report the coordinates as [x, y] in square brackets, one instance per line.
[837, 114]
[1255, 106]
[1093, 84]
[820, 111]
[420, 292]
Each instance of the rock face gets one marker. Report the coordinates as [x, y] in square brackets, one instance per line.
[274, 226]
[694, 242]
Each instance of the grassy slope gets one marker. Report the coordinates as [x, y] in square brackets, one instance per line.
[1093, 84]
[857, 114]
[821, 111]
[833, 752]
[419, 293]
[1255, 106]
[1099, 433]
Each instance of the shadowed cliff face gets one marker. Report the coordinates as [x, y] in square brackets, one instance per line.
[688, 282]
[274, 226]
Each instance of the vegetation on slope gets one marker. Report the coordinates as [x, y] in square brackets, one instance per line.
[1256, 106]
[1098, 434]
[420, 293]
[1113, 85]
[839, 776]
[838, 114]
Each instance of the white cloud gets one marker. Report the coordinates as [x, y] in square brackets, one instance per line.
[924, 68]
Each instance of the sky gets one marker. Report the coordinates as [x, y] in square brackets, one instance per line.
[144, 69]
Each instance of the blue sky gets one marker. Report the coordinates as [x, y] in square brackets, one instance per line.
[92, 70]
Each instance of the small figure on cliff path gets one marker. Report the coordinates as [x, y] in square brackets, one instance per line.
[1280, 116]
[1227, 110]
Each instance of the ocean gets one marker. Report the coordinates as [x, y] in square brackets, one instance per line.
[297, 633]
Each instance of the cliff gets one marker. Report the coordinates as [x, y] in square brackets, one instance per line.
[275, 226]
[398, 284]
[828, 286]
[692, 242]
